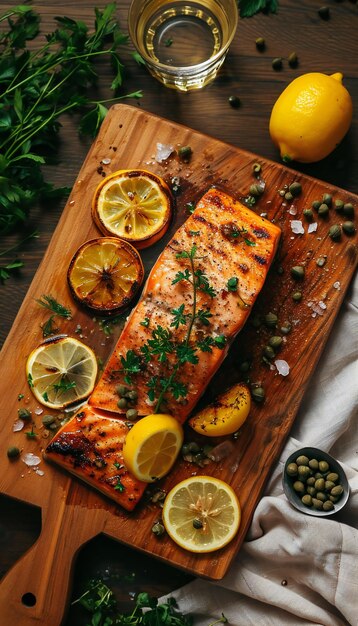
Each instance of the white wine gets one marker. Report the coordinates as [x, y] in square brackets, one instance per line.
[183, 43]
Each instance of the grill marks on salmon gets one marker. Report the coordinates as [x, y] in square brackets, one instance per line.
[231, 241]
[90, 446]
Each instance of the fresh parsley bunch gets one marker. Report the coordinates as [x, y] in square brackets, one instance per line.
[37, 86]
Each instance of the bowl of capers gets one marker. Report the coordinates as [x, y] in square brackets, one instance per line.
[314, 482]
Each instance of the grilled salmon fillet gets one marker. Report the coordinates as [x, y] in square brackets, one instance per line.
[228, 250]
[89, 446]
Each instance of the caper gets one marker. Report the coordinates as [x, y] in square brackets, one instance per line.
[288, 196]
[122, 403]
[185, 449]
[321, 496]
[158, 529]
[282, 192]
[275, 342]
[245, 366]
[295, 188]
[316, 204]
[297, 296]
[277, 63]
[293, 60]
[313, 464]
[121, 390]
[348, 228]
[193, 446]
[53, 426]
[298, 272]
[271, 320]
[337, 491]
[13, 452]
[304, 472]
[235, 102]
[321, 261]
[286, 328]
[256, 190]
[185, 153]
[332, 476]
[131, 414]
[324, 13]
[338, 205]
[327, 199]
[335, 232]
[323, 210]
[348, 209]
[317, 504]
[24, 414]
[256, 168]
[328, 505]
[48, 419]
[258, 394]
[334, 499]
[311, 490]
[302, 460]
[306, 500]
[311, 481]
[291, 469]
[269, 352]
[328, 485]
[299, 486]
[308, 213]
[197, 523]
[318, 475]
[260, 43]
[132, 395]
[323, 466]
[319, 484]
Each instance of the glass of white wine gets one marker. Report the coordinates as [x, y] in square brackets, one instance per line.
[183, 42]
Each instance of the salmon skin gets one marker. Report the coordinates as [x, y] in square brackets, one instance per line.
[90, 446]
[229, 248]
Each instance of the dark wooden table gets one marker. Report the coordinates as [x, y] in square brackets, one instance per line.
[325, 46]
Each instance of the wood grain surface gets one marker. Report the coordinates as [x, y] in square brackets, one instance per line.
[72, 513]
[321, 46]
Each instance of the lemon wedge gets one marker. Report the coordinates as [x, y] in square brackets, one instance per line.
[225, 415]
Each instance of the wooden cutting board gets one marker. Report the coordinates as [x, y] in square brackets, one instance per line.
[34, 590]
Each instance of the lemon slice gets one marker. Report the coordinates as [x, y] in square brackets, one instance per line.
[151, 446]
[225, 415]
[201, 514]
[61, 371]
[135, 205]
[105, 274]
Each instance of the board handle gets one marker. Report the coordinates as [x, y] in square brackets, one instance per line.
[36, 589]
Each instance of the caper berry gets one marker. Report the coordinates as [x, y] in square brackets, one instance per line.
[24, 414]
[306, 500]
[304, 472]
[258, 394]
[299, 486]
[338, 205]
[335, 232]
[321, 496]
[235, 102]
[323, 466]
[269, 352]
[348, 209]
[122, 403]
[121, 390]
[327, 199]
[308, 213]
[311, 480]
[337, 491]
[48, 419]
[260, 43]
[297, 296]
[332, 476]
[275, 342]
[316, 204]
[319, 484]
[328, 485]
[317, 504]
[288, 196]
[302, 460]
[348, 228]
[293, 60]
[298, 272]
[323, 210]
[295, 188]
[132, 414]
[313, 464]
[13, 452]
[291, 469]
[328, 505]
[197, 523]
[277, 63]
[311, 490]
[271, 320]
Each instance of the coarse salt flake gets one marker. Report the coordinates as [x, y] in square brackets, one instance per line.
[312, 227]
[39, 472]
[164, 151]
[337, 285]
[31, 460]
[106, 161]
[283, 367]
[296, 227]
[293, 210]
[322, 304]
[18, 425]
[38, 411]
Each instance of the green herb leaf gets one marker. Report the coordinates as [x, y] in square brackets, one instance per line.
[64, 385]
[248, 8]
[49, 302]
[49, 328]
[179, 276]
[131, 364]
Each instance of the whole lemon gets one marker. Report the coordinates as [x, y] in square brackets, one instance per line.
[311, 117]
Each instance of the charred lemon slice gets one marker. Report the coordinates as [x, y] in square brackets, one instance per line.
[135, 205]
[61, 371]
[105, 274]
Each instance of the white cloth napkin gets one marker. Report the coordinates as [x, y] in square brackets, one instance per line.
[294, 569]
